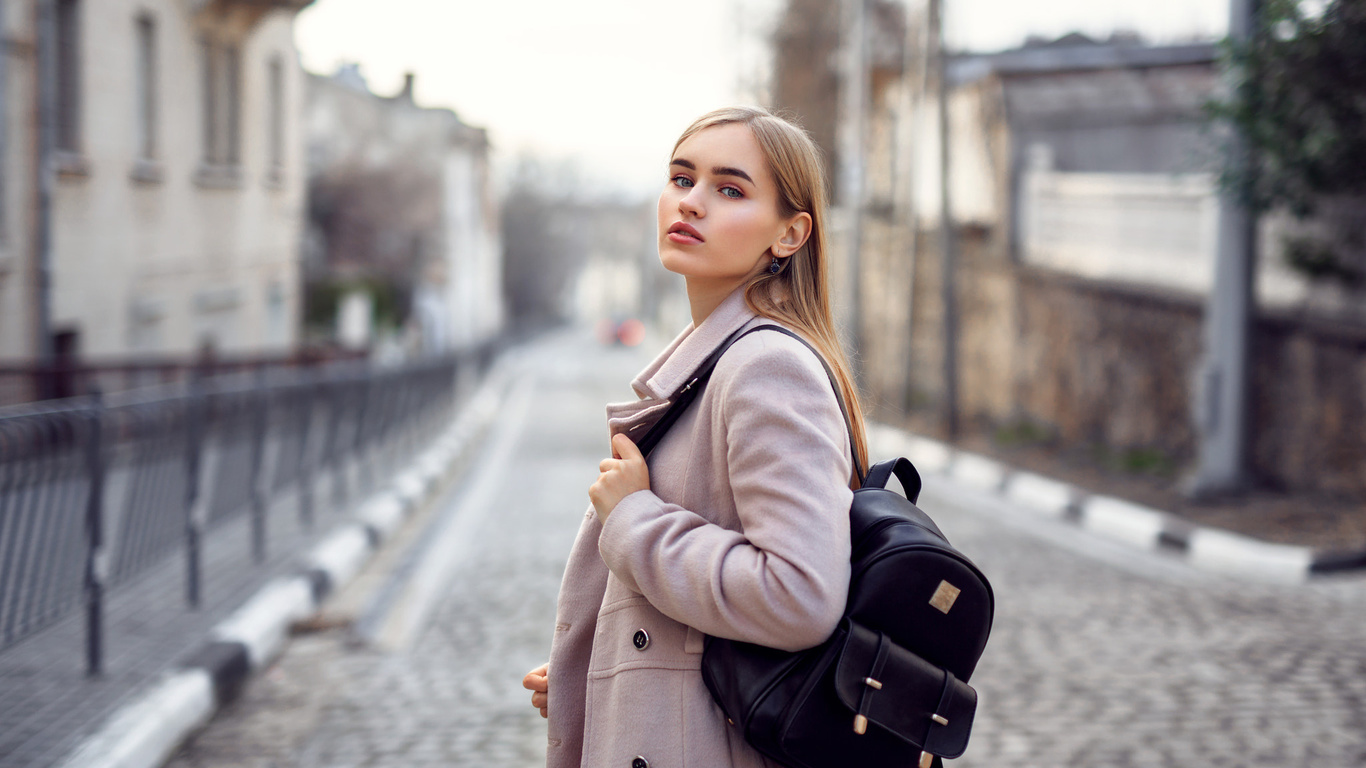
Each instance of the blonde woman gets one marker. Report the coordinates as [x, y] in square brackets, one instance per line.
[737, 526]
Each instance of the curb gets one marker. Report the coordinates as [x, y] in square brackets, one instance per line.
[147, 731]
[1209, 549]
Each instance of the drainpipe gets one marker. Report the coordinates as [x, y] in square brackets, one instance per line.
[45, 124]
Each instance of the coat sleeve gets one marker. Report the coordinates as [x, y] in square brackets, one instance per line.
[782, 580]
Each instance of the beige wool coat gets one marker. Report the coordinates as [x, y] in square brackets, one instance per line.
[743, 534]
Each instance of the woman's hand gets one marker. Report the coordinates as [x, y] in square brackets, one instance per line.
[622, 475]
[538, 682]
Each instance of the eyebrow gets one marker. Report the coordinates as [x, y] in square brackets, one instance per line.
[720, 170]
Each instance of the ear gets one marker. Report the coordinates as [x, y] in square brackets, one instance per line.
[794, 236]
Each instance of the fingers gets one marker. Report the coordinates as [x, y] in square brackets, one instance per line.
[536, 679]
[625, 448]
[607, 465]
[538, 682]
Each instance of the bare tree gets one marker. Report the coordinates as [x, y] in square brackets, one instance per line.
[544, 244]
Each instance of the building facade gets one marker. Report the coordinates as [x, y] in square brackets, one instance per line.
[177, 194]
[403, 201]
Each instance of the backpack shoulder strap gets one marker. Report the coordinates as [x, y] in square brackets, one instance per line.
[689, 391]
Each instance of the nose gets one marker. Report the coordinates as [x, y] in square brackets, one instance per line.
[691, 203]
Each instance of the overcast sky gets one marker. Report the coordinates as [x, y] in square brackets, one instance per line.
[611, 83]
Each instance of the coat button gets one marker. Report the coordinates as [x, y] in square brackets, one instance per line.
[640, 762]
[641, 641]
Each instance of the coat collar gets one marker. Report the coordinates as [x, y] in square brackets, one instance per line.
[676, 363]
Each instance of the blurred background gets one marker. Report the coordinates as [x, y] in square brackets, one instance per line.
[288, 180]
[1118, 243]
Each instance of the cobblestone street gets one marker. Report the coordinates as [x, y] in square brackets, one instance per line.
[1100, 656]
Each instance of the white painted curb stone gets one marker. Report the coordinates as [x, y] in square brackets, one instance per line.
[1039, 494]
[341, 554]
[1122, 521]
[410, 489]
[1236, 555]
[977, 471]
[262, 623]
[430, 467]
[145, 733]
[384, 513]
[441, 458]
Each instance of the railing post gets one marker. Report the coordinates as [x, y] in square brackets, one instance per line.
[305, 451]
[194, 439]
[333, 418]
[258, 495]
[96, 562]
[364, 475]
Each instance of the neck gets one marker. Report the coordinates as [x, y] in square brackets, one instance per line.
[704, 296]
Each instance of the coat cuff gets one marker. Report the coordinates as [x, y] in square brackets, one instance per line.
[616, 542]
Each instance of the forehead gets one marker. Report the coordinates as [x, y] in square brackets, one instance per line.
[730, 145]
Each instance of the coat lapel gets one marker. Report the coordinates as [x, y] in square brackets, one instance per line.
[672, 367]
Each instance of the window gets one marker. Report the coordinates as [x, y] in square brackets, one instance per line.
[232, 102]
[146, 79]
[276, 115]
[68, 75]
[222, 101]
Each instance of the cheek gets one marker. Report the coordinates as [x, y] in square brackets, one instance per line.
[748, 229]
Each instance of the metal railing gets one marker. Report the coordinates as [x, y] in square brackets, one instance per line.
[95, 490]
[26, 382]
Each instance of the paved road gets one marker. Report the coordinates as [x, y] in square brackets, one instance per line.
[1100, 656]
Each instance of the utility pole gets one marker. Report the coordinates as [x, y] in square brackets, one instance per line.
[45, 171]
[1221, 402]
[947, 261]
[853, 106]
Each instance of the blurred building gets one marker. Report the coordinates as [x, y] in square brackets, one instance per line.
[1083, 205]
[401, 205]
[621, 275]
[176, 213]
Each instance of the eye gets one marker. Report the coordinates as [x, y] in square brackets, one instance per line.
[732, 193]
[681, 181]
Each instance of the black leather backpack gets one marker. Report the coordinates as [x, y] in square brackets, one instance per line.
[889, 687]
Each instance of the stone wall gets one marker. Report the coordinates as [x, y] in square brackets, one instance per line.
[1309, 405]
[1105, 365]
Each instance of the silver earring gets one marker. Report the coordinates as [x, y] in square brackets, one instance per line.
[774, 267]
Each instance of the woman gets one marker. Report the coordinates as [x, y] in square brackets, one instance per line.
[738, 524]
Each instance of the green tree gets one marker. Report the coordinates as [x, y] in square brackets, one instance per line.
[1300, 101]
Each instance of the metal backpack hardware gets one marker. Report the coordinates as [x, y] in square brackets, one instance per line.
[889, 687]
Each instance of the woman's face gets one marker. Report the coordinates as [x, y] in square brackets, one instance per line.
[718, 214]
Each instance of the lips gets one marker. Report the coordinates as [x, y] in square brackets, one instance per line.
[682, 232]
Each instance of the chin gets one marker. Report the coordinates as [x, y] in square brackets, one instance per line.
[673, 260]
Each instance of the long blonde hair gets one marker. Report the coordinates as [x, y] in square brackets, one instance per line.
[798, 295]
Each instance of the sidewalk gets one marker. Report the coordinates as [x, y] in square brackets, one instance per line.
[1261, 535]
